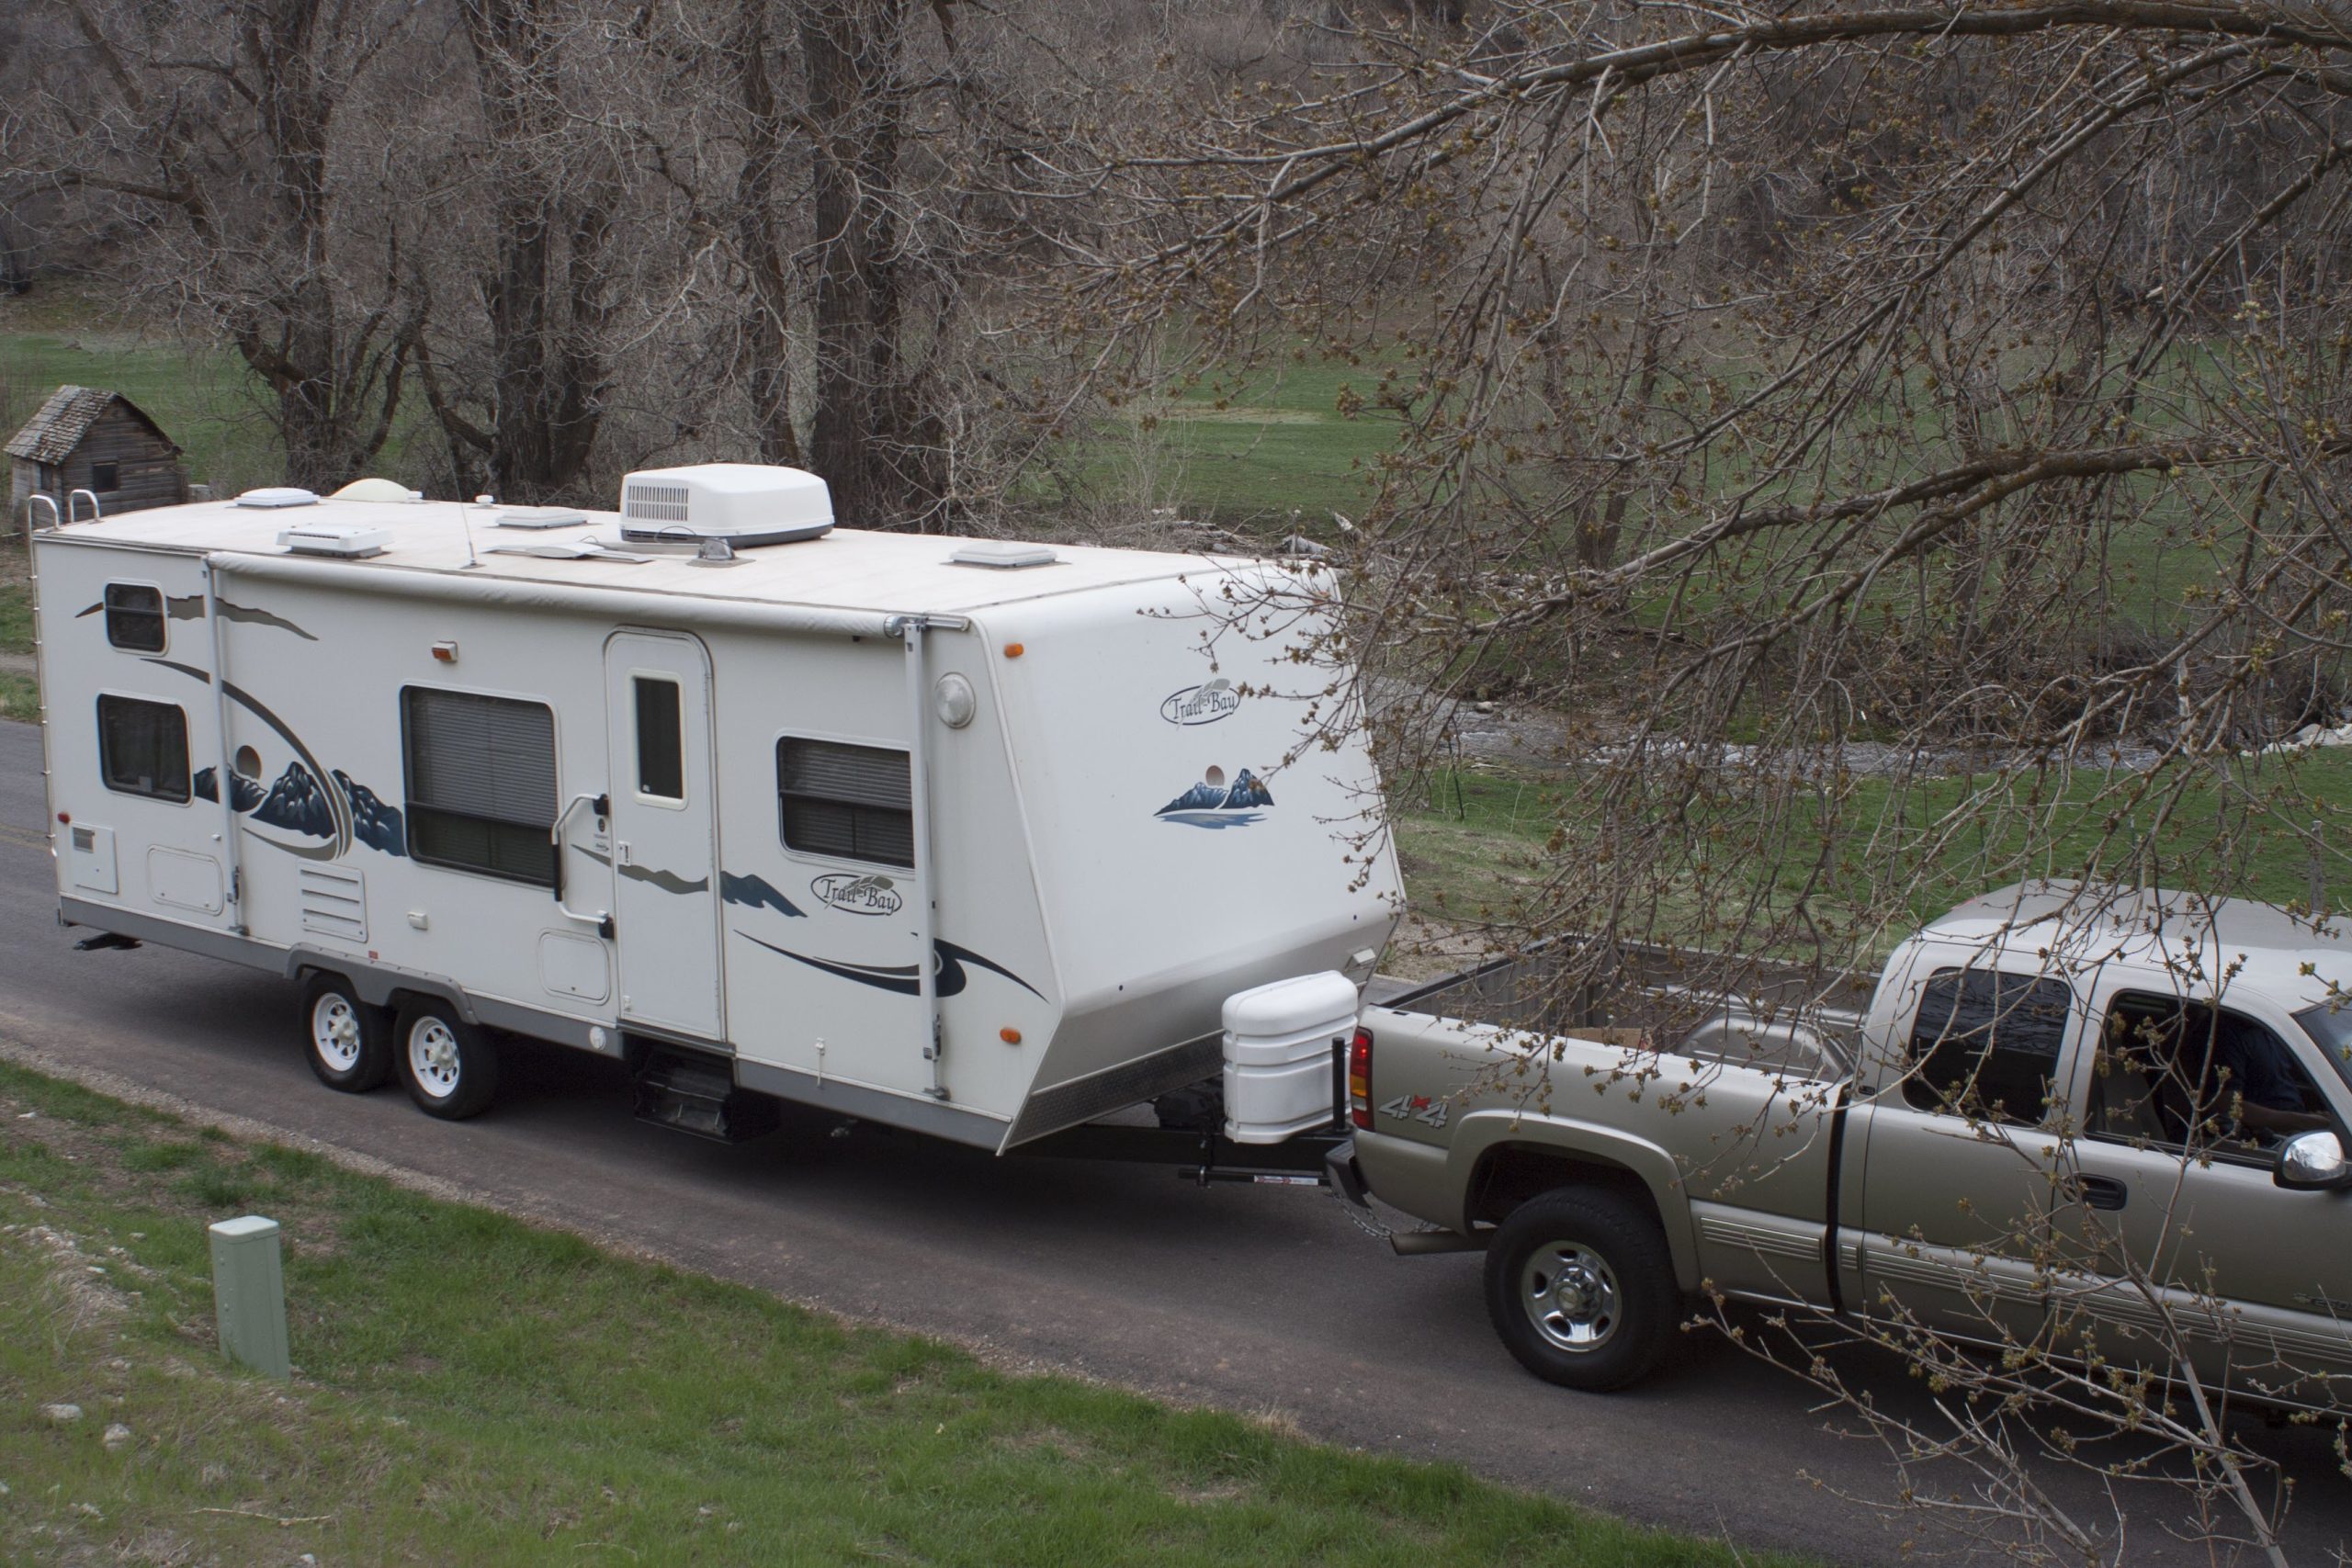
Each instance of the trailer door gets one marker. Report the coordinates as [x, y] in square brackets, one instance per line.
[665, 823]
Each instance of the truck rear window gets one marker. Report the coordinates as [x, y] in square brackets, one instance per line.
[1985, 1044]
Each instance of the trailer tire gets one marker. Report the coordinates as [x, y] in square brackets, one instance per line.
[349, 1043]
[1580, 1287]
[450, 1068]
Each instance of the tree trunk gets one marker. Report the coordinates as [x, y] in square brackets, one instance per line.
[863, 440]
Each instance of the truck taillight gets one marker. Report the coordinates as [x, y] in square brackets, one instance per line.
[1360, 1080]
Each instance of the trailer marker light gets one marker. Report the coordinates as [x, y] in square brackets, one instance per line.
[65, 817]
[1360, 1080]
[1013, 651]
[446, 652]
[1009, 1036]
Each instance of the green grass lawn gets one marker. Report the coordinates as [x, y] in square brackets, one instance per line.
[472, 1389]
[1475, 841]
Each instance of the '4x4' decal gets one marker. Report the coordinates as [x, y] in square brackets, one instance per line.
[1419, 1107]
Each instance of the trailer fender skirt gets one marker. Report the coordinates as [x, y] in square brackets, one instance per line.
[1426, 1244]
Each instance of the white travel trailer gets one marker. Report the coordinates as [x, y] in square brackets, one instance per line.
[967, 838]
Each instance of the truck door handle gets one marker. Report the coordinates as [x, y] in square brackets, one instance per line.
[2102, 1192]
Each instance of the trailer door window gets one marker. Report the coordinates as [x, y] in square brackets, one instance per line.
[1985, 1044]
[142, 747]
[135, 617]
[481, 783]
[660, 739]
[853, 802]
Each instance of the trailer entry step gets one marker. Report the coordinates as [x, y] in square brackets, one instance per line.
[689, 1092]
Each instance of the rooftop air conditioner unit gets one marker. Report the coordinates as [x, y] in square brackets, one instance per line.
[744, 503]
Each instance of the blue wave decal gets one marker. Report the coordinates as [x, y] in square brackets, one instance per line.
[947, 960]
[755, 893]
[952, 959]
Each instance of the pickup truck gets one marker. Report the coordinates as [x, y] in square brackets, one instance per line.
[2061, 1109]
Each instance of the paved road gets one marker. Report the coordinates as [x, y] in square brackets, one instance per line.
[1257, 1300]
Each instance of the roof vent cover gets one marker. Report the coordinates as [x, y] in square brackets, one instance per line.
[276, 496]
[1004, 554]
[744, 503]
[348, 541]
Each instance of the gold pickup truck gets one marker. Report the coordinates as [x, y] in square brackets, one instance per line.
[2063, 1110]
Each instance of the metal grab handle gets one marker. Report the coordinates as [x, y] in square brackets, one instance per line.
[73, 512]
[55, 520]
[603, 919]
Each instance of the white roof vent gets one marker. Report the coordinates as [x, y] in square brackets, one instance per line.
[348, 541]
[276, 496]
[541, 517]
[1003, 554]
[744, 503]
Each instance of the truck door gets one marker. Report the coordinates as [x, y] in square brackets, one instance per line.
[1962, 1143]
[664, 831]
[2174, 1214]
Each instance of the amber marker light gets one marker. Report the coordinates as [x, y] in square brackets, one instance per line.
[1009, 1036]
[1013, 651]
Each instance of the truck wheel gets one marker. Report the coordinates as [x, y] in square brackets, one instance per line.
[451, 1070]
[350, 1045]
[1580, 1286]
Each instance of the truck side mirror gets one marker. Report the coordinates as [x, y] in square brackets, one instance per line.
[2312, 1162]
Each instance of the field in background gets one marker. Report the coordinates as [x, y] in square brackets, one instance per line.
[1474, 839]
[470, 1389]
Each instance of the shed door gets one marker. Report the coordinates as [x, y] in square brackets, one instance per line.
[665, 859]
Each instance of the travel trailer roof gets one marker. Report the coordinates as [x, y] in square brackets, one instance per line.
[846, 569]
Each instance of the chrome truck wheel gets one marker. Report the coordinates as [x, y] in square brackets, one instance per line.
[1580, 1288]
[348, 1050]
[1569, 1293]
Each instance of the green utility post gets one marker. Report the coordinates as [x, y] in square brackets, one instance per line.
[249, 1293]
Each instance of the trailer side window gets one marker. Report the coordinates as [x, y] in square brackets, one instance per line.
[660, 738]
[482, 784]
[142, 747]
[1985, 1044]
[135, 617]
[849, 801]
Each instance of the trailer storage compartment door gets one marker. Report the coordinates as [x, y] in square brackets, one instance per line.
[665, 873]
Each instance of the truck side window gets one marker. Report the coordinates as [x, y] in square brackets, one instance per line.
[142, 747]
[481, 783]
[1985, 1044]
[2185, 1075]
[851, 801]
[135, 617]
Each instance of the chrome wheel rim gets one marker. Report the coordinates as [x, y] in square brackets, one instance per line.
[1570, 1294]
[433, 1058]
[334, 1031]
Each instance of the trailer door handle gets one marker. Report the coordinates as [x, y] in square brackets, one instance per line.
[2102, 1192]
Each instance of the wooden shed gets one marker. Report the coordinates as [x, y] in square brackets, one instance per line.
[84, 438]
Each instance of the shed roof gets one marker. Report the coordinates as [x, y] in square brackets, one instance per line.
[51, 435]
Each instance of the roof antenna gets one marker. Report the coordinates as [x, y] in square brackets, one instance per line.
[465, 520]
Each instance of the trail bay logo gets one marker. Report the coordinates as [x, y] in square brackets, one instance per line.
[1202, 705]
[854, 894]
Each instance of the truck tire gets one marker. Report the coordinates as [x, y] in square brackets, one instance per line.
[450, 1069]
[1580, 1287]
[350, 1043]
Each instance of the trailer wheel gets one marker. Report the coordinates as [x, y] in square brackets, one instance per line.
[350, 1045]
[1580, 1287]
[450, 1069]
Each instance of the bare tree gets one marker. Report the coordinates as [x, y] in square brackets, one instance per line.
[210, 133]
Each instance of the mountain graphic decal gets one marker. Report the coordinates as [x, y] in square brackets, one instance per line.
[1212, 803]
